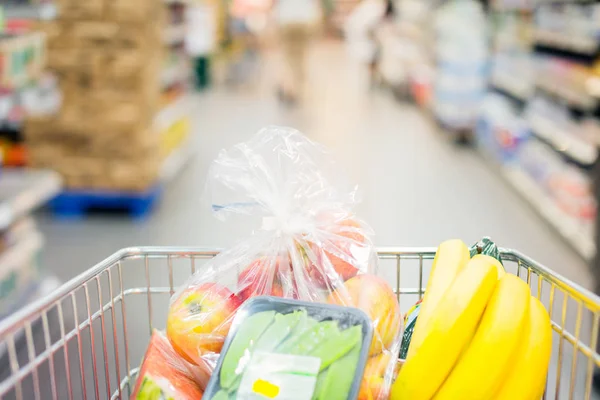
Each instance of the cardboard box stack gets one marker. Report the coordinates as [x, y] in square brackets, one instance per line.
[107, 55]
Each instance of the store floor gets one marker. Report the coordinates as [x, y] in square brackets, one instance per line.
[418, 188]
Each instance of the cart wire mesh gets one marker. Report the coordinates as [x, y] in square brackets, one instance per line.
[85, 340]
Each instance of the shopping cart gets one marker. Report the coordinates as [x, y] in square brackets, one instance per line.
[86, 339]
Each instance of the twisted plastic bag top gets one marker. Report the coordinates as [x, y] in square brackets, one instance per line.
[279, 173]
[310, 247]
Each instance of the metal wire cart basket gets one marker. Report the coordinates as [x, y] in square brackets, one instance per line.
[86, 339]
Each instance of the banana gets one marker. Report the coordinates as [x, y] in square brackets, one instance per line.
[526, 378]
[497, 264]
[480, 369]
[451, 326]
[451, 258]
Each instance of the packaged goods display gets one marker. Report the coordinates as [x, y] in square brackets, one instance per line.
[22, 278]
[115, 82]
[541, 118]
[461, 53]
[500, 128]
[22, 60]
[572, 27]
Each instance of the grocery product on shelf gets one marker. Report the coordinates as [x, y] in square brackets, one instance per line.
[123, 92]
[21, 10]
[22, 278]
[571, 27]
[461, 52]
[339, 10]
[278, 347]
[513, 75]
[570, 136]
[475, 333]
[500, 129]
[413, 31]
[22, 87]
[310, 248]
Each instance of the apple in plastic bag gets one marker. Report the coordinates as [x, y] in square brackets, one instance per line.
[373, 383]
[261, 278]
[343, 250]
[376, 298]
[163, 375]
[199, 320]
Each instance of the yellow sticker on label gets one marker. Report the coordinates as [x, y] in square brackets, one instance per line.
[265, 388]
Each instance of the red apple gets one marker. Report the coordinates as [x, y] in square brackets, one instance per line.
[163, 372]
[373, 385]
[199, 320]
[263, 277]
[344, 250]
[375, 297]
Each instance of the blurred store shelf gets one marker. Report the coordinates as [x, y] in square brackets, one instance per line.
[562, 41]
[173, 112]
[562, 141]
[580, 239]
[33, 292]
[174, 74]
[43, 11]
[22, 191]
[176, 161]
[17, 255]
[563, 90]
[515, 87]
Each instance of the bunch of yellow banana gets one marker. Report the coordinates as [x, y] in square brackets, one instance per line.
[480, 335]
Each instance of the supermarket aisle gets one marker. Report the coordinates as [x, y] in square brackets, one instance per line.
[417, 188]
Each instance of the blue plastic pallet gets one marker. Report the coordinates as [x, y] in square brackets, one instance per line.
[77, 203]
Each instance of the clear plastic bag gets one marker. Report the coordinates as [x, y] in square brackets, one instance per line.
[309, 247]
[164, 374]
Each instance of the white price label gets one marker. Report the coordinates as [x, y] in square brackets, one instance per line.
[279, 376]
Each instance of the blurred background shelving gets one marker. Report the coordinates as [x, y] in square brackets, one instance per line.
[24, 88]
[521, 79]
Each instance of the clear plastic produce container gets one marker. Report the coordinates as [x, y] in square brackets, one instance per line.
[292, 350]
